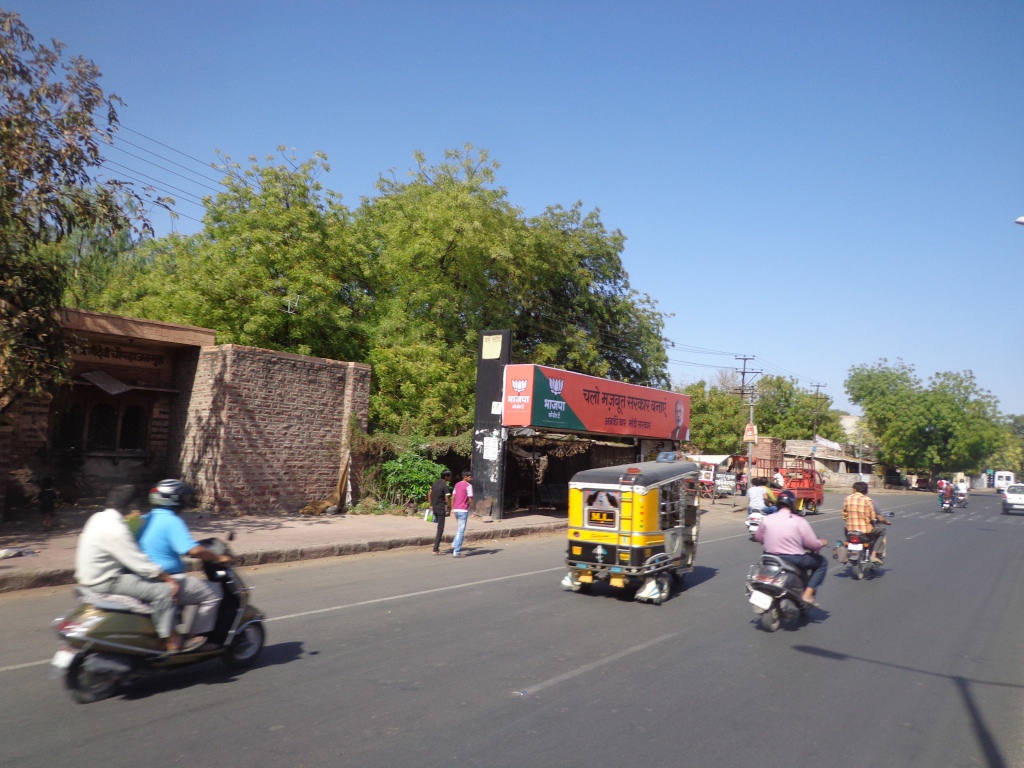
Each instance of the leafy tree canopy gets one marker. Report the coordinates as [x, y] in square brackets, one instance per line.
[50, 150]
[950, 425]
[785, 410]
[447, 256]
[717, 419]
[405, 282]
[272, 266]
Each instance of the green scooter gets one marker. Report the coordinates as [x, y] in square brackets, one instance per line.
[110, 639]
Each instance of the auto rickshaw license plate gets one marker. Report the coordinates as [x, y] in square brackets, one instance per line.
[600, 518]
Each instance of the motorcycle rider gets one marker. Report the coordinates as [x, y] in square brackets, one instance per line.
[860, 513]
[165, 538]
[109, 560]
[791, 538]
[760, 498]
[961, 488]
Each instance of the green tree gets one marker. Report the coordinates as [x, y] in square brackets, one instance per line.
[1009, 453]
[951, 425]
[272, 266]
[717, 419]
[50, 148]
[447, 256]
[790, 412]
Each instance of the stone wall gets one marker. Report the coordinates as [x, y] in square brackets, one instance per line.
[267, 431]
[836, 480]
[5, 459]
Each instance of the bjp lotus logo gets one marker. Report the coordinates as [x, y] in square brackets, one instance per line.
[519, 384]
[556, 386]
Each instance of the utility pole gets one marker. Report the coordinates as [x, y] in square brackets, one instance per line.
[814, 434]
[747, 391]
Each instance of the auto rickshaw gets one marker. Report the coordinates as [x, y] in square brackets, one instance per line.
[633, 525]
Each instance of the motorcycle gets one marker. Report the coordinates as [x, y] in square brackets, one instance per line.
[775, 589]
[110, 639]
[753, 521]
[857, 552]
[947, 504]
[961, 500]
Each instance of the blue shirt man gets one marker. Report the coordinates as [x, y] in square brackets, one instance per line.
[164, 539]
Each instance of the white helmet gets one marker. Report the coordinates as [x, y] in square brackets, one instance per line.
[170, 494]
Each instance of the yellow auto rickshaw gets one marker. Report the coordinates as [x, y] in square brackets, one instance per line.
[633, 525]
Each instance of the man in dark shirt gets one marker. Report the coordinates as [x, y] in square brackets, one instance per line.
[440, 499]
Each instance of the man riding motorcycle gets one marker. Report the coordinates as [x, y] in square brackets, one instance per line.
[165, 538]
[108, 560]
[791, 538]
[861, 514]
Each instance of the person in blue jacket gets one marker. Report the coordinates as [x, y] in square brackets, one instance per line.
[165, 539]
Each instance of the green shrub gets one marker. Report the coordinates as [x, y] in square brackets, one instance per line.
[408, 478]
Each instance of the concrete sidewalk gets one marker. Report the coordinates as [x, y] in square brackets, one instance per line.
[257, 539]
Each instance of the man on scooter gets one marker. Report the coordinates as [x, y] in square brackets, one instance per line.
[760, 497]
[790, 537]
[861, 514]
[108, 560]
[165, 538]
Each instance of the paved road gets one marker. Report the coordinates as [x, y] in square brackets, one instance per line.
[403, 659]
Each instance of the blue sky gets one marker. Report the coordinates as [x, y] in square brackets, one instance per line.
[816, 184]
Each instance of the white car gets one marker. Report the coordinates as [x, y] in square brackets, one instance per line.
[1013, 499]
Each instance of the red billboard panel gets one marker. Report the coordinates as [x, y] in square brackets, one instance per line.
[538, 396]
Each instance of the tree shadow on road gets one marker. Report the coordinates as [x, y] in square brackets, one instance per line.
[986, 741]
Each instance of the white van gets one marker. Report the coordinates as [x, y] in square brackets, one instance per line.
[1003, 480]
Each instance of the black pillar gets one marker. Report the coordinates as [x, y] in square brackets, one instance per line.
[492, 355]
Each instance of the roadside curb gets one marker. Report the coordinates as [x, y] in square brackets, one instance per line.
[57, 577]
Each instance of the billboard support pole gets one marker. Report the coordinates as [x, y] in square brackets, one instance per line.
[493, 354]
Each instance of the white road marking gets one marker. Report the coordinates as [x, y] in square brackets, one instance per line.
[23, 666]
[922, 533]
[413, 594]
[592, 665]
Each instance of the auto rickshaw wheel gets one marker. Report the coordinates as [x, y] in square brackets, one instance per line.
[664, 588]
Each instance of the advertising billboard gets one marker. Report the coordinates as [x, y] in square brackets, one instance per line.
[538, 396]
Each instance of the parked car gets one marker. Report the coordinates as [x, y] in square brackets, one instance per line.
[1013, 499]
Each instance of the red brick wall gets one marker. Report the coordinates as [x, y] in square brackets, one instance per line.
[5, 458]
[771, 449]
[265, 431]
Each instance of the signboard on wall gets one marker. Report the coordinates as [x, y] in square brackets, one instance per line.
[538, 396]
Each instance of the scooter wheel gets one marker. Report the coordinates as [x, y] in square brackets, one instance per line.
[87, 687]
[858, 571]
[246, 646]
[770, 620]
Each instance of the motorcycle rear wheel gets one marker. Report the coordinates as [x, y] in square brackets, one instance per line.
[87, 687]
[858, 571]
[770, 620]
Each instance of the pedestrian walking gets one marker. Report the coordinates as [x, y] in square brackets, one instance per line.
[440, 502]
[462, 504]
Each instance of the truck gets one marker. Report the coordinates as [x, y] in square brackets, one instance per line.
[800, 477]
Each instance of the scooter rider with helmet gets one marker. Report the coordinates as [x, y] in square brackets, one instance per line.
[165, 538]
[791, 538]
